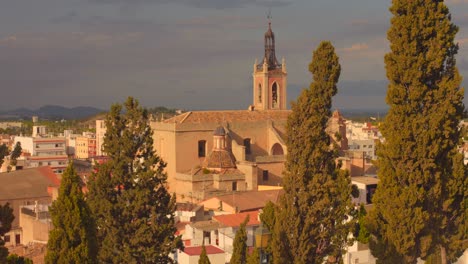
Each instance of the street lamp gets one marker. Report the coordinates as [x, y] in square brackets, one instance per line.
[262, 238]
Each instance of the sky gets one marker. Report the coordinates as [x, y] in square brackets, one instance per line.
[189, 54]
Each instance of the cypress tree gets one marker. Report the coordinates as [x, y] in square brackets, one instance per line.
[15, 154]
[420, 202]
[239, 251]
[254, 258]
[203, 256]
[128, 195]
[6, 218]
[3, 153]
[313, 214]
[73, 238]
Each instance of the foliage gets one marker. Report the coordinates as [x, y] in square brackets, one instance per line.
[128, 195]
[254, 258]
[360, 232]
[15, 154]
[203, 257]
[313, 214]
[420, 204]
[73, 239]
[6, 218]
[239, 251]
[3, 152]
[15, 259]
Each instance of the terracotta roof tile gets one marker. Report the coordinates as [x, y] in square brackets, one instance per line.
[196, 251]
[235, 220]
[228, 116]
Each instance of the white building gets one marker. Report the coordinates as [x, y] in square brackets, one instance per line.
[44, 152]
[100, 133]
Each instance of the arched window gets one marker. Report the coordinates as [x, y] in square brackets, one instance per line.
[247, 146]
[201, 148]
[259, 91]
[274, 95]
[277, 149]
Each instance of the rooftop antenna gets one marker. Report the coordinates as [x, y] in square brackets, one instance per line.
[269, 15]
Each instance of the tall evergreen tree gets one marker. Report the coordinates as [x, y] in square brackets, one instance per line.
[3, 153]
[6, 218]
[239, 251]
[128, 195]
[15, 154]
[73, 238]
[313, 214]
[420, 203]
[203, 256]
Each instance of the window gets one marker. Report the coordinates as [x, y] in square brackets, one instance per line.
[234, 186]
[247, 146]
[274, 95]
[265, 176]
[259, 93]
[7, 239]
[365, 146]
[40, 163]
[201, 148]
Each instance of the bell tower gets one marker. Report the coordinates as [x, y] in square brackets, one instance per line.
[269, 78]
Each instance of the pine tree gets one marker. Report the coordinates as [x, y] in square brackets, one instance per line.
[239, 251]
[420, 202]
[313, 214]
[73, 238]
[128, 195]
[204, 257]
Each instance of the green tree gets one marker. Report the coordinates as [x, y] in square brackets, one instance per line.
[15, 259]
[128, 195]
[3, 153]
[361, 233]
[239, 251]
[6, 218]
[420, 204]
[73, 239]
[313, 216]
[15, 154]
[204, 257]
[254, 258]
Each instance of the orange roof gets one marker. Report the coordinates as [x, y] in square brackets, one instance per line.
[230, 115]
[196, 251]
[235, 220]
[249, 200]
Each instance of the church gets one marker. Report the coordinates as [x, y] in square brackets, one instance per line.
[209, 153]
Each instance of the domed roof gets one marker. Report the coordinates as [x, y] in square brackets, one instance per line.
[219, 131]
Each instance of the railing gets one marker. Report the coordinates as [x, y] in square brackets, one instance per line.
[272, 158]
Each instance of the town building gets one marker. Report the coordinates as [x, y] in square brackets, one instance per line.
[27, 187]
[100, 133]
[85, 146]
[44, 151]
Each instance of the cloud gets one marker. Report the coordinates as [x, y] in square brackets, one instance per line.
[356, 47]
[211, 4]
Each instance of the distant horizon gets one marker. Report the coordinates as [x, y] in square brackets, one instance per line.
[190, 54]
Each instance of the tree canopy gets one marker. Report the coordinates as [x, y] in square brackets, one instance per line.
[128, 195]
[73, 238]
[313, 216]
[420, 204]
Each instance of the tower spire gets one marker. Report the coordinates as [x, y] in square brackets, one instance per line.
[270, 55]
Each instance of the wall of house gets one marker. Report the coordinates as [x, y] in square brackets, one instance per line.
[34, 230]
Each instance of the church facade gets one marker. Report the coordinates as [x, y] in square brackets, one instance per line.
[209, 153]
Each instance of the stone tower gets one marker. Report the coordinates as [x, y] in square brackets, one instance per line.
[269, 78]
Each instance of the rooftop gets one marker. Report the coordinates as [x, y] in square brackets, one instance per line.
[228, 116]
[27, 183]
[196, 251]
[365, 180]
[235, 220]
[250, 200]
